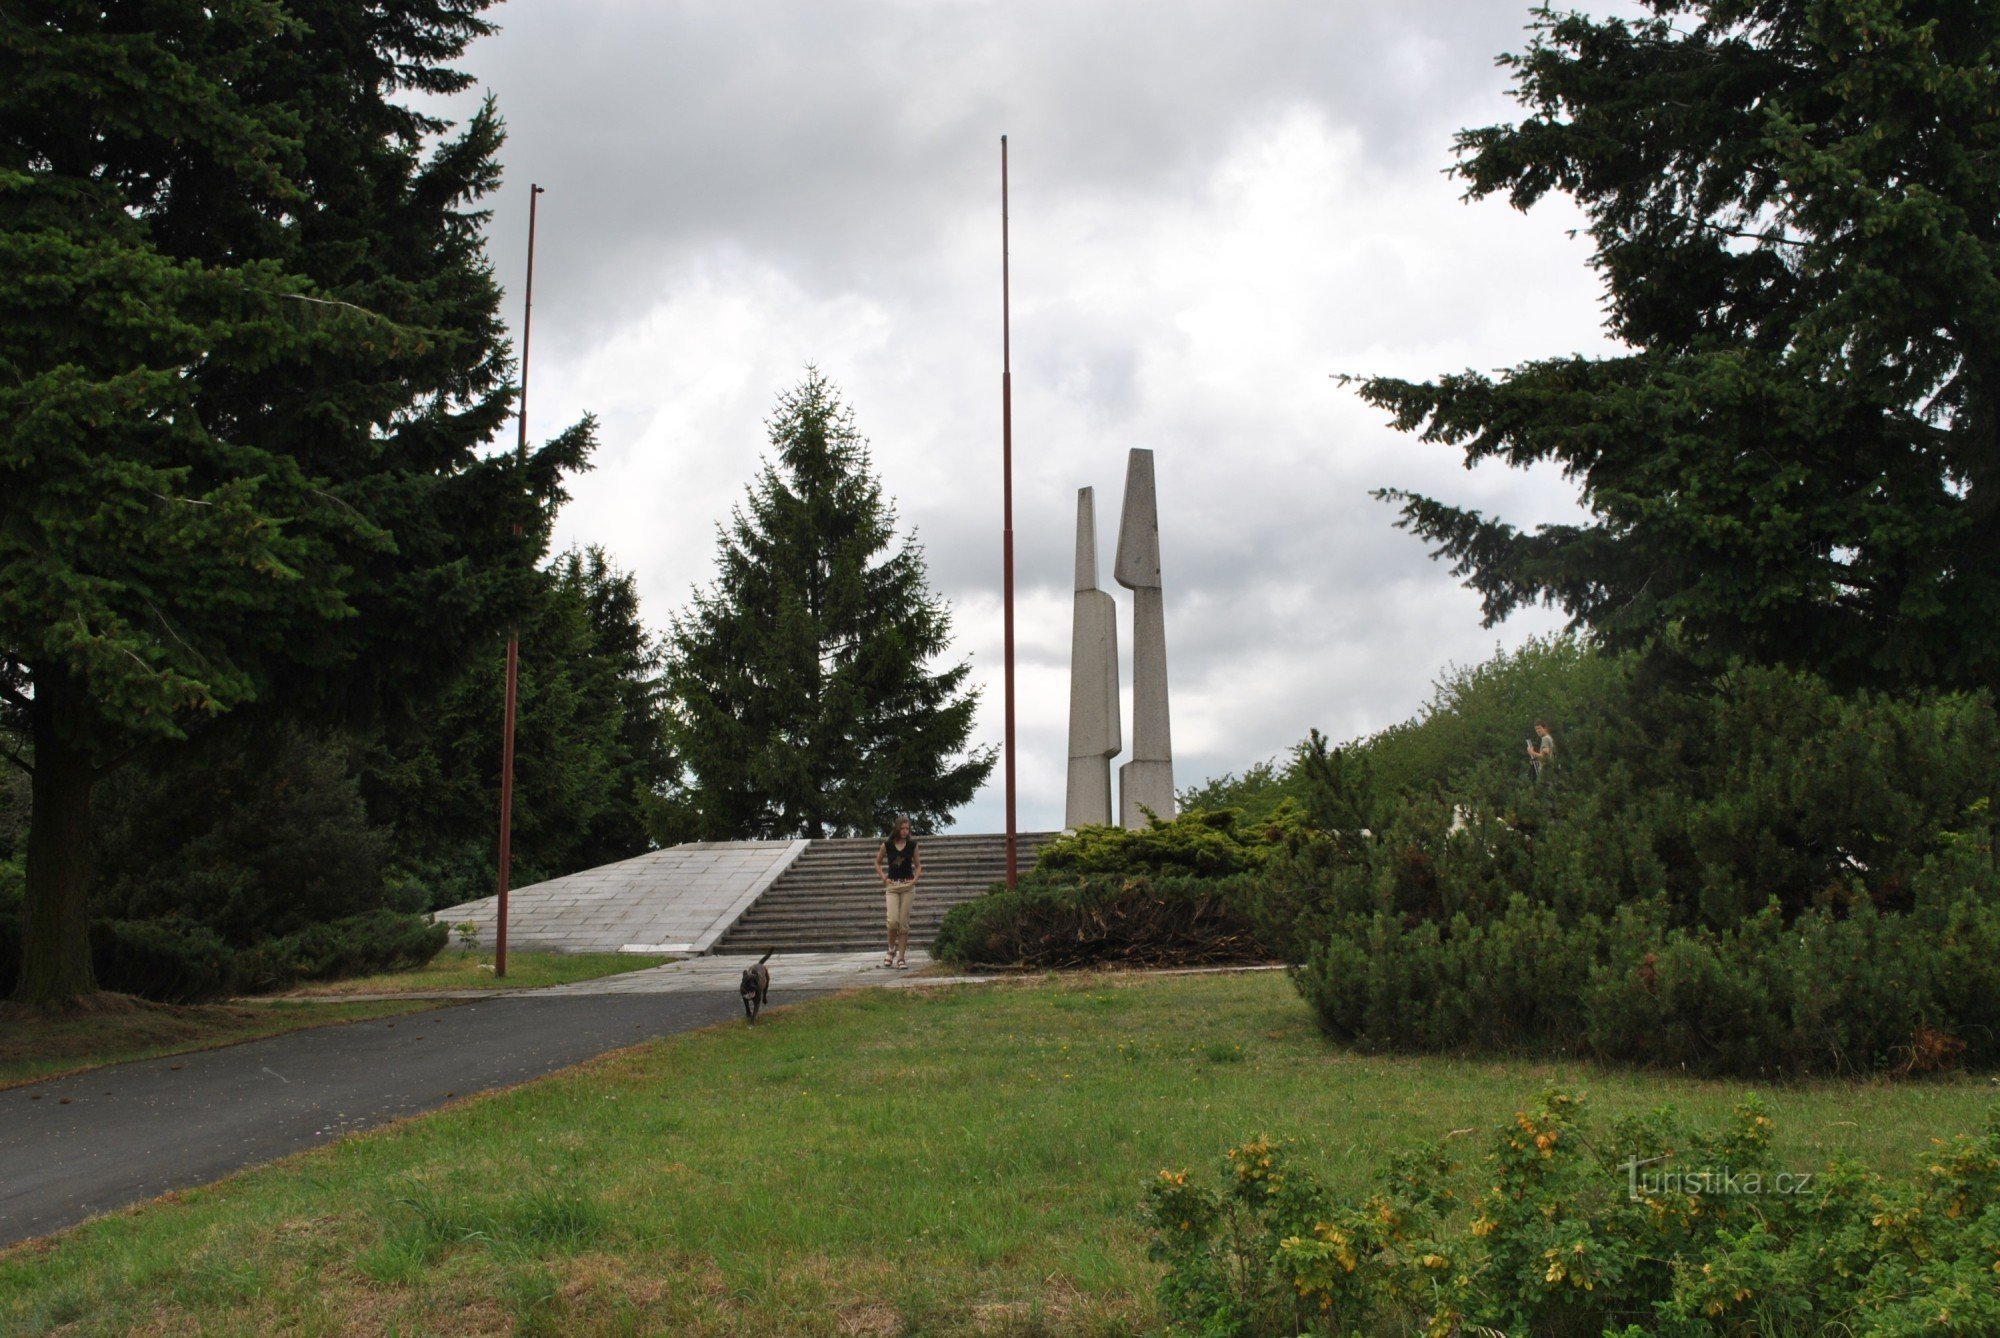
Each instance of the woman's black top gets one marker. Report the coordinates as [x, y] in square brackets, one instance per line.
[901, 864]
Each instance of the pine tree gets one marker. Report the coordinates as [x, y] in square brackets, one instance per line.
[250, 356]
[1796, 458]
[802, 699]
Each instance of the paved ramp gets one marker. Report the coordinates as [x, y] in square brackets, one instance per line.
[680, 900]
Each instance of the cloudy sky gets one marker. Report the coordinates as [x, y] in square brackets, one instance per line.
[1215, 208]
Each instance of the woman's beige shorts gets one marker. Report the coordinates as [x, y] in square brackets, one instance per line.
[900, 895]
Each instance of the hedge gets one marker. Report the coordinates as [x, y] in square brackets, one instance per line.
[178, 961]
[1050, 922]
[1848, 991]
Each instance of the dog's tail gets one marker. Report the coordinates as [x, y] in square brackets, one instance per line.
[765, 958]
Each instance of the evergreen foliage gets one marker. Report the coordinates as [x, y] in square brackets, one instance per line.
[1753, 875]
[1762, 784]
[1795, 213]
[252, 353]
[254, 830]
[14, 808]
[1053, 922]
[1474, 730]
[1256, 794]
[1205, 844]
[260, 828]
[803, 700]
[177, 960]
[591, 758]
[1178, 892]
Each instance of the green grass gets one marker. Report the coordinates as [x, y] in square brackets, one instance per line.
[35, 1047]
[952, 1161]
[455, 970]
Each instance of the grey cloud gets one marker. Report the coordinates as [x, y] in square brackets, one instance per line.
[736, 189]
[844, 138]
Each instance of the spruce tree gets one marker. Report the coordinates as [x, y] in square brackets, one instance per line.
[803, 699]
[1796, 456]
[250, 356]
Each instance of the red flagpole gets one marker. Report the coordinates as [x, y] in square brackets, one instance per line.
[514, 635]
[1007, 500]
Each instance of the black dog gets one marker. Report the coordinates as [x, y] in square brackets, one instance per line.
[756, 986]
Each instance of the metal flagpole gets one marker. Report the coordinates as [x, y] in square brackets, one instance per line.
[514, 634]
[1007, 500]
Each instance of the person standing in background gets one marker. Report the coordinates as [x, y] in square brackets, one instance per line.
[899, 866]
[1541, 749]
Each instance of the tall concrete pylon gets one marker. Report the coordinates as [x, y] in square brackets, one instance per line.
[1093, 682]
[1147, 780]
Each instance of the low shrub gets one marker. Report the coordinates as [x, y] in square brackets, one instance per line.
[179, 961]
[170, 961]
[1052, 922]
[1649, 1226]
[1834, 991]
[1507, 984]
[1204, 844]
[357, 945]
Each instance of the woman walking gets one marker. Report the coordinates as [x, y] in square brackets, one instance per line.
[899, 866]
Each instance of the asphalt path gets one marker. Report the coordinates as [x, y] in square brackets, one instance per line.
[71, 1148]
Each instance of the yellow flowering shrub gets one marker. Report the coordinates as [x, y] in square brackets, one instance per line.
[1648, 1225]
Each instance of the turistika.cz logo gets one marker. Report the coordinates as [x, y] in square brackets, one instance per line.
[1708, 1181]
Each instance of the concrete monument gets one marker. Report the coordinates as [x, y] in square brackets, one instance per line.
[1093, 682]
[1147, 780]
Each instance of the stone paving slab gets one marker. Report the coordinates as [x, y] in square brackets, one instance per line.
[680, 899]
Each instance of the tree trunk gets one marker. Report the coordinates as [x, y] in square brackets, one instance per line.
[55, 921]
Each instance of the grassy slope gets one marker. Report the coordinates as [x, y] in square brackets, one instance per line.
[36, 1048]
[968, 1161]
[455, 970]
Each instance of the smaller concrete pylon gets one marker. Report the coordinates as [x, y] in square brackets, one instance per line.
[1147, 780]
[1093, 682]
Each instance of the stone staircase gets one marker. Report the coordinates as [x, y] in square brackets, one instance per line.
[830, 901]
